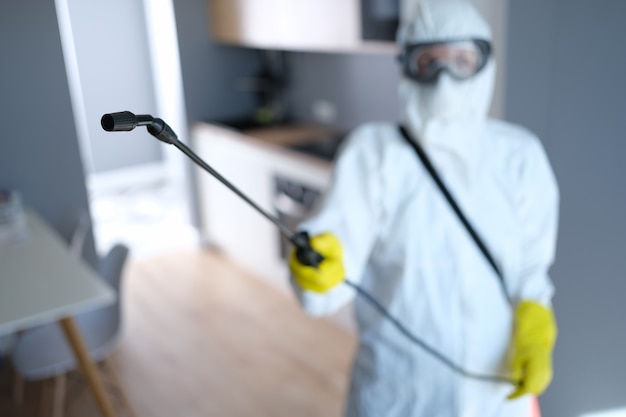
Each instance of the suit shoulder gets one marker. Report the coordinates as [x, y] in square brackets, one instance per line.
[512, 134]
[375, 132]
[377, 138]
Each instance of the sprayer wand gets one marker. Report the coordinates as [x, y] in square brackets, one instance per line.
[126, 121]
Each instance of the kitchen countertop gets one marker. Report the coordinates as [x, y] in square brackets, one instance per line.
[308, 140]
[291, 134]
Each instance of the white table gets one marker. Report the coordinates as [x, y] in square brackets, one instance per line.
[42, 282]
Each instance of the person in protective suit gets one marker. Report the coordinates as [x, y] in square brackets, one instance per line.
[385, 224]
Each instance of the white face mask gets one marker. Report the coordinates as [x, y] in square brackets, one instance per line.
[449, 103]
[448, 100]
[449, 117]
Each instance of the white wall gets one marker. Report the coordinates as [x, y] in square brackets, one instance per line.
[113, 65]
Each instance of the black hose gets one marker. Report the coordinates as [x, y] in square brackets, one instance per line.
[433, 352]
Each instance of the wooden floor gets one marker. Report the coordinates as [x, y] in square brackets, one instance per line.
[204, 338]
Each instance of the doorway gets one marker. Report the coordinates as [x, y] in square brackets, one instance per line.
[123, 55]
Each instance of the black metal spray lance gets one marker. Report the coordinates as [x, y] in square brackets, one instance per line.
[127, 121]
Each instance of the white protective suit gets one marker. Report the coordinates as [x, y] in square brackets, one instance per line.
[404, 244]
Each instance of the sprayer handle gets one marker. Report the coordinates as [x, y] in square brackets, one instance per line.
[304, 252]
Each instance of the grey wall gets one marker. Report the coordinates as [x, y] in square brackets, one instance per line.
[210, 71]
[362, 87]
[531, 48]
[566, 82]
[39, 153]
[113, 59]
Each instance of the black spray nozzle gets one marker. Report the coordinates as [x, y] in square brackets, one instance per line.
[125, 121]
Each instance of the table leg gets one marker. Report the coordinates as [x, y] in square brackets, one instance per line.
[86, 365]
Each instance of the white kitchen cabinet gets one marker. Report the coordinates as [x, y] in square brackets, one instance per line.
[251, 162]
[230, 224]
[326, 25]
[315, 25]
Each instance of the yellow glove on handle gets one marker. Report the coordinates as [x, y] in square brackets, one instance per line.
[533, 340]
[330, 271]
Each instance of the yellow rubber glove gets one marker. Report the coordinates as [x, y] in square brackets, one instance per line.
[533, 340]
[330, 271]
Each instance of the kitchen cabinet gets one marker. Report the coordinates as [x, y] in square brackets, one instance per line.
[314, 25]
[255, 165]
[259, 162]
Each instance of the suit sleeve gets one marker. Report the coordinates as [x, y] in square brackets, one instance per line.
[352, 210]
[538, 207]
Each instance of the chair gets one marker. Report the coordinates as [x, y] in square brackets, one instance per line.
[6, 344]
[100, 328]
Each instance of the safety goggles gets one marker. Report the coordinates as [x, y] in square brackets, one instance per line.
[462, 59]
